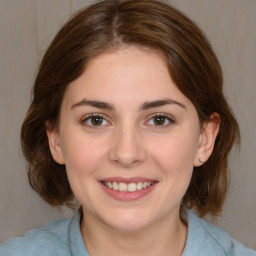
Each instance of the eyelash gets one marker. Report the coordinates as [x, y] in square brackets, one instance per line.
[165, 117]
[89, 118]
[104, 119]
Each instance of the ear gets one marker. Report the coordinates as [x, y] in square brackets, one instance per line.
[54, 143]
[207, 139]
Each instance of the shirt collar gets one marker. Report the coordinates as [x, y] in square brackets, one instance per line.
[76, 243]
[195, 242]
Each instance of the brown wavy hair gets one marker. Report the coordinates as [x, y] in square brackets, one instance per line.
[193, 65]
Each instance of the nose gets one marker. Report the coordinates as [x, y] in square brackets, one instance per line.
[127, 150]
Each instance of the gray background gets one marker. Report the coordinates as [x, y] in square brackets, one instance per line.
[27, 27]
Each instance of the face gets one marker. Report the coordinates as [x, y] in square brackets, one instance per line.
[129, 140]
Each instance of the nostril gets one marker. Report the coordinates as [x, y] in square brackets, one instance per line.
[126, 150]
[126, 163]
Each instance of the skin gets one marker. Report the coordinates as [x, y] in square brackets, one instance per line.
[128, 143]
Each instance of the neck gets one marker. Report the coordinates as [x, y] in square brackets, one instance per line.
[166, 237]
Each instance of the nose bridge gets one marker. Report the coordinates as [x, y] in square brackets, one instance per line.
[127, 149]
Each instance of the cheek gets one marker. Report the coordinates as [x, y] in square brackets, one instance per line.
[82, 160]
[176, 151]
[82, 155]
[174, 156]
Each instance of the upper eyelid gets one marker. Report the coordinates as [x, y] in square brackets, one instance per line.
[95, 114]
[163, 115]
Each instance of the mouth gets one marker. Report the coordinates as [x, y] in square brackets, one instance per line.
[127, 187]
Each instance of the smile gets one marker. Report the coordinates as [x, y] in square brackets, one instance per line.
[127, 187]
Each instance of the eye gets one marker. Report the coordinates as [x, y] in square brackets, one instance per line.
[95, 120]
[160, 120]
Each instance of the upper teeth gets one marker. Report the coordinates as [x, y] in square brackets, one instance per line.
[128, 187]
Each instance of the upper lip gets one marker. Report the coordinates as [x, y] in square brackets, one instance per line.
[127, 180]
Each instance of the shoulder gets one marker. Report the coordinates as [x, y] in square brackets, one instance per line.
[220, 238]
[52, 237]
[204, 238]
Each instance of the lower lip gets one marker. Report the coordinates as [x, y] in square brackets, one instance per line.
[128, 196]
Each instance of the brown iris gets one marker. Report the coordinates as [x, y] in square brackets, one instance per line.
[96, 120]
[159, 120]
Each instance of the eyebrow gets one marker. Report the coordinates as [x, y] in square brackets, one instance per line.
[145, 106]
[159, 103]
[94, 103]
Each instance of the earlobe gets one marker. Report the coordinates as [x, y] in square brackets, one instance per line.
[207, 139]
[54, 144]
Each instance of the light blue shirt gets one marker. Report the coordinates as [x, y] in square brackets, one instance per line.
[63, 238]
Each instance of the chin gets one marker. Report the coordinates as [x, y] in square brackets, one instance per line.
[128, 221]
[129, 226]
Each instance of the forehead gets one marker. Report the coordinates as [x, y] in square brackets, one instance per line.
[131, 73]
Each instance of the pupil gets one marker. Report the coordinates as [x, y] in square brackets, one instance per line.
[159, 120]
[97, 120]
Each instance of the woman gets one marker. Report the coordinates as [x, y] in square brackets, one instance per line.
[128, 116]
